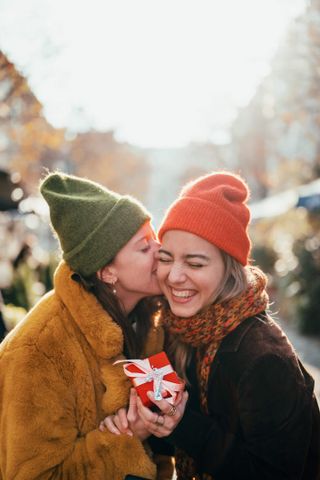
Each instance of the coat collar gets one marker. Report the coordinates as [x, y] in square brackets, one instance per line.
[101, 332]
[232, 341]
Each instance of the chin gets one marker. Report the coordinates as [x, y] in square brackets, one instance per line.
[182, 311]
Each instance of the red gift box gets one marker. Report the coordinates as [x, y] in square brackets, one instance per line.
[155, 374]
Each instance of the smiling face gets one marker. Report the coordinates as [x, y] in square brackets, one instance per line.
[133, 270]
[190, 272]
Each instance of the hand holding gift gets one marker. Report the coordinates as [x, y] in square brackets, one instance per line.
[154, 380]
[141, 421]
[154, 374]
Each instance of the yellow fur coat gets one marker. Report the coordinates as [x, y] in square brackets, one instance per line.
[57, 382]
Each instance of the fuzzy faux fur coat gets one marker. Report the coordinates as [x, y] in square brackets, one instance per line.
[57, 382]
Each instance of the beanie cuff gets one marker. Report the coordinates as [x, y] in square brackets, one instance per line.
[105, 241]
[216, 226]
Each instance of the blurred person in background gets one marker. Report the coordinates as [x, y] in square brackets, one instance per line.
[57, 378]
[251, 412]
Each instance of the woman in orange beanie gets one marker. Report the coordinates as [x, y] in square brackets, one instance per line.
[251, 412]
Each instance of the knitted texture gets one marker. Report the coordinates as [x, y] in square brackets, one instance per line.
[91, 222]
[207, 330]
[213, 207]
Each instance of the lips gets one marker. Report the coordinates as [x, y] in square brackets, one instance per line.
[182, 293]
[182, 296]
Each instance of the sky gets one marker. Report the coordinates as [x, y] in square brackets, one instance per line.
[160, 73]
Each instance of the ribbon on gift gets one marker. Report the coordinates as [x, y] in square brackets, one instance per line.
[152, 374]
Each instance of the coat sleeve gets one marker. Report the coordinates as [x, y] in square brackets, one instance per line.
[39, 429]
[272, 432]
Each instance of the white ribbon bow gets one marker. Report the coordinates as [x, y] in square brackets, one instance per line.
[149, 374]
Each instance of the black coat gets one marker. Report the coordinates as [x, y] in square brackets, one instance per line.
[263, 420]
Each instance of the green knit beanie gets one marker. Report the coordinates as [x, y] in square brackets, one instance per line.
[91, 222]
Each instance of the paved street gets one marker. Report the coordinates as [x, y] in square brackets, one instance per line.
[315, 372]
[308, 349]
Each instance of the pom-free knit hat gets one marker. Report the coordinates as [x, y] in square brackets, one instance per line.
[213, 207]
[91, 222]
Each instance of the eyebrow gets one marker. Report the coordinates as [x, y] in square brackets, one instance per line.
[197, 255]
[188, 256]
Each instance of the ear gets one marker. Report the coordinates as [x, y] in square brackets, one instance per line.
[107, 275]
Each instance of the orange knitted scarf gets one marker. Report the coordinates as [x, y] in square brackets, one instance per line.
[207, 329]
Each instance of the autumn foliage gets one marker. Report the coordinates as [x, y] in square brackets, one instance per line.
[30, 145]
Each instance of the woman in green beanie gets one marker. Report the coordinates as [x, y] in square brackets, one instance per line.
[57, 374]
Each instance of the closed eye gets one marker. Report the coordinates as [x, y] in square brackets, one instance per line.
[164, 260]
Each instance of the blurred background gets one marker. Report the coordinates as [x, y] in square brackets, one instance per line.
[144, 95]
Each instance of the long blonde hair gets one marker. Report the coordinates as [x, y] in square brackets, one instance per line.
[233, 284]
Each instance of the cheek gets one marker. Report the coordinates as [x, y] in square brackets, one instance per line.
[209, 282]
[145, 265]
[161, 272]
[213, 284]
[162, 280]
[149, 260]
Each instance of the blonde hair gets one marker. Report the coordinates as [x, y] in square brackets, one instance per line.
[233, 284]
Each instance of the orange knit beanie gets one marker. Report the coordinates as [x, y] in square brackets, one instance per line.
[213, 207]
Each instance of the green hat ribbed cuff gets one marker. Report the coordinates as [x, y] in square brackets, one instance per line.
[105, 241]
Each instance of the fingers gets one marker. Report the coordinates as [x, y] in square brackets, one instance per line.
[148, 417]
[160, 420]
[178, 398]
[183, 400]
[164, 423]
[109, 424]
[116, 424]
[132, 412]
[166, 407]
[121, 420]
[142, 420]
[185, 396]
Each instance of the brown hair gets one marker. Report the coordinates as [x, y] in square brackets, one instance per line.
[136, 325]
[232, 285]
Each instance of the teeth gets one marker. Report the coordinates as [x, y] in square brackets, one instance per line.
[182, 293]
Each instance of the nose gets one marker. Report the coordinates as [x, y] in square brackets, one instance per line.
[154, 250]
[155, 245]
[176, 274]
